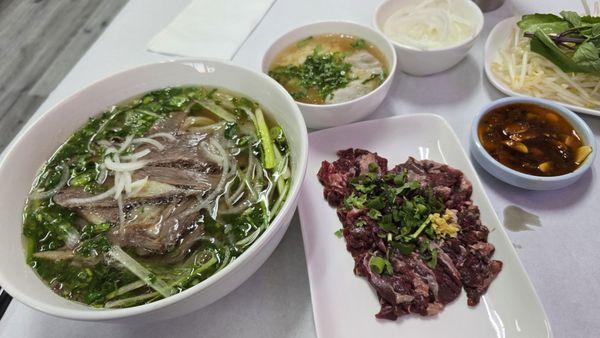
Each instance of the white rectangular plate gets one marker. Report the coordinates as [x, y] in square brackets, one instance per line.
[344, 305]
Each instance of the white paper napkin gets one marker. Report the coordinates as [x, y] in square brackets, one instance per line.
[210, 28]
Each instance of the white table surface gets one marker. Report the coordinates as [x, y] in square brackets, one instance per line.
[561, 255]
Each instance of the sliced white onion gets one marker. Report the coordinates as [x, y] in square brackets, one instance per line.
[86, 200]
[129, 166]
[136, 156]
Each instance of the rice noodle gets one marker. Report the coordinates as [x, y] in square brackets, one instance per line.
[225, 173]
[126, 143]
[38, 195]
[236, 209]
[86, 200]
[163, 135]
[150, 141]
[102, 175]
[136, 156]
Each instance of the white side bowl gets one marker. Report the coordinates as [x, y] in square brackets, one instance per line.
[421, 62]
[525, 181]
[34, 145]
[329, 115]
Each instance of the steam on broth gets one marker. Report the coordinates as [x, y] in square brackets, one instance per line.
[155, 195]
[329, 68]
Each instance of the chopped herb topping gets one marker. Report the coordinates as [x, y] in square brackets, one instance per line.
[359, 44]
[320, 72]
[408, 215]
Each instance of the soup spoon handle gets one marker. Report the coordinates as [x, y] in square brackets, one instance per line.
[5, 299]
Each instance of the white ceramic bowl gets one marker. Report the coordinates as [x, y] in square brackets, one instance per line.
[421, 62]
[34, 145]
[329, 115]
[526, 181]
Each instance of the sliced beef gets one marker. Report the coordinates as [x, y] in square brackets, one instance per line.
[184, 153]
[155, 229]
[181, 178]
[351, 163]
[447, 182]
[152, 192]
[171, 125]
[156, 217]
[414, 287]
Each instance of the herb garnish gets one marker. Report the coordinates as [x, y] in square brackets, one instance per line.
[381, 265]
[569, 41]
[380, 77]
[359, 44]
[321, 72]
[401, 209]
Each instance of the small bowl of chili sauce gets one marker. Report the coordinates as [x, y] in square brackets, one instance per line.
[532, 143]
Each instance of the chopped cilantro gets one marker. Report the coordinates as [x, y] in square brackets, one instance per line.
[323, 72]
[374, 214]
[359, 44]
[338, 233]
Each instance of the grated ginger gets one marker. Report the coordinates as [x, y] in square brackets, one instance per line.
[446, 225]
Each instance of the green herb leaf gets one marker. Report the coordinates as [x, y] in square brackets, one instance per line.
[339, 233]
[432, 263]
[404, 248]
[548, 23]
[359, 44]
[572, 18]
[374, 214]
[587, 52]
[354, 201]
[381, 265]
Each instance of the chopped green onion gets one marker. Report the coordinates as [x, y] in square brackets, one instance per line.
[139, 270]
[380, 265]
[218, 110]
[266, 142]
[338, 233]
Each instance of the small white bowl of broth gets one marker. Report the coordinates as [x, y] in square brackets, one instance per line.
[430, 36]
[337, 72]
[532, 143]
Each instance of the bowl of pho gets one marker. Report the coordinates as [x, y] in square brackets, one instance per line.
[338, 72]
[150, 193]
